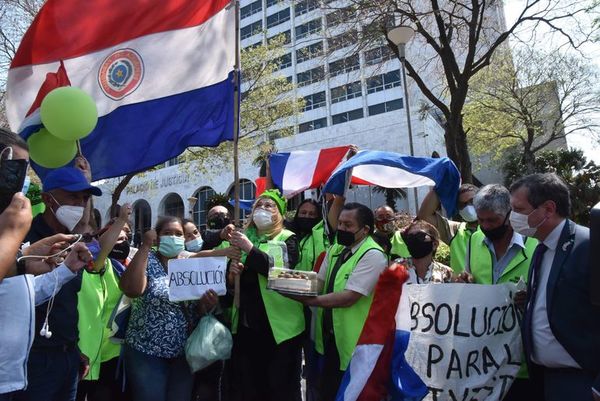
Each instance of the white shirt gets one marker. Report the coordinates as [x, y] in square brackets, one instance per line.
[547, 351]
[366, 272]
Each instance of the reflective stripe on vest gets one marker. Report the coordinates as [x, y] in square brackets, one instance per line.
[347, 322]
[286, 316]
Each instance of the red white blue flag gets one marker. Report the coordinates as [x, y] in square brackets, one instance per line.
[159, 72]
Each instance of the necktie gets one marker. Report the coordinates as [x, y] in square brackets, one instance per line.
[532, 287]
[327, 313]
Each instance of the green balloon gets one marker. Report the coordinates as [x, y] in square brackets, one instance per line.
[69, 113]
[49, 151]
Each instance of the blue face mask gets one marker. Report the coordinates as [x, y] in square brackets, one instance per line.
[170, 245]
[194, 245]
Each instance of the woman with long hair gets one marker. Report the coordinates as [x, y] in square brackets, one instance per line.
[158, 328]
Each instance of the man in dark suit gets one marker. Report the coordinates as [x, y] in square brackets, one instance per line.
[561, 329]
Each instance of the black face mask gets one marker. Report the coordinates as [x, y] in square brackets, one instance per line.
[417, 246]
[218, 222]
[345, 238]
[306, 224]
[120, 251]
[495, 233]
[498, 232]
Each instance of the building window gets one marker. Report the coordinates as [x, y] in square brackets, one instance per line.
[309, 52]
[340, 16]
[309, 28]
[201, 207]
[278, 18]
[251, 29]
[378, 55]
[253, 46]
[305, 6]
[347, 116]
[173, 206]
[311, 76]
[287, 37]
[289, 79]
[344, 40]
[284, 61]
[345, 92]
[385, 107]
[384, 81]
[312, 125]
[251, 9]
[344, 65]
[314, 101]
[247, 192]
[272, 2]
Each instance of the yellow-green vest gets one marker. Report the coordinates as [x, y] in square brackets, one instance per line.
[96, 301]
[311, 247]
[480, 264]
[347, 322]
[480, 261]
[398, 246]
[286, 316]
[458, 248]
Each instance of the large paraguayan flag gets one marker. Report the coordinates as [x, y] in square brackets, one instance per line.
[159, 72]
[392, 170]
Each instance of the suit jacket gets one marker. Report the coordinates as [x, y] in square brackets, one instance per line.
[574, 321]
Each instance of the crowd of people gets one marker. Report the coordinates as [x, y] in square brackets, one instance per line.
[63, 280]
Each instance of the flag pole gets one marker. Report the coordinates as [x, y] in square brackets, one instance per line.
[236, 138]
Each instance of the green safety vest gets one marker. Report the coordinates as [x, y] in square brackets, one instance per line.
[286, 316]
[398, 246]
[311, 247]
[347, 322]
[458, 248]
[96, 301]
[480, 263]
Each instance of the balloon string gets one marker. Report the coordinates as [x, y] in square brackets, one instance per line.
[79, 153]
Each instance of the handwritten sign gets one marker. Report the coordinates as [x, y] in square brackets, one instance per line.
[465, 340]
[190, 278]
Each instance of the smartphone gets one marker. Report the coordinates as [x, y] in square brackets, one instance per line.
[12, 178]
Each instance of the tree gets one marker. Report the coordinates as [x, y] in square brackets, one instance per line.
[581, 176]
[456, 39]
[391, 195]
[531, 101]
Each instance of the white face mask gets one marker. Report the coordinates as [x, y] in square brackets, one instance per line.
[263, 219]
[468, 213]
[520, 223]
[68, 216]
[194, 245]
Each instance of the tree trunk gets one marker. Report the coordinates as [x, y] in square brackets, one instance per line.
[528, 162]
[114, 206]
[457, 149]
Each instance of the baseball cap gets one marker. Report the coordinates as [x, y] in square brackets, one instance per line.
[69, 179]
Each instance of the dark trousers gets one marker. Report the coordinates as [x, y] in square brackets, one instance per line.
[108, 387]
[52, 375]
[264, 370]
[563, 384]
[331, 376]
[524, 390]
[208, 383]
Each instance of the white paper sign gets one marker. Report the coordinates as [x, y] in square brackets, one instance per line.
[190, 278]
[465, 340]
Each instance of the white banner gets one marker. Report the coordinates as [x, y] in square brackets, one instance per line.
[190, 278]
[465, 340]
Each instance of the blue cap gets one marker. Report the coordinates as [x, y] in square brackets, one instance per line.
[69, 179]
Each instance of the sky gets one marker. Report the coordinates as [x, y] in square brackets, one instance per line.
[589, 50]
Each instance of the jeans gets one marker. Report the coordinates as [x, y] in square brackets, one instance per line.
[151, 378]
[52, 374]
